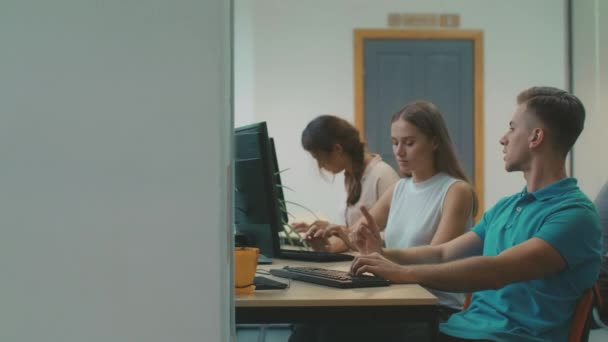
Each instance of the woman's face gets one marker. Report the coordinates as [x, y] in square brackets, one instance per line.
[332, 161]
[412, 149]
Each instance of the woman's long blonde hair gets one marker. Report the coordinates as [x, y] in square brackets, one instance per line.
[427, 118]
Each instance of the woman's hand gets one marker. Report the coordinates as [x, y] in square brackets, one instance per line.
[314, 236]
[320, 234]
[366, 235]
[303, 227]
[300, 227]
[341, 233]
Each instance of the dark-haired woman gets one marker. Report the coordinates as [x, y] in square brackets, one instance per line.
[337, 147]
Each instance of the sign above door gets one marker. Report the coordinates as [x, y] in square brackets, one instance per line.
[396, 20]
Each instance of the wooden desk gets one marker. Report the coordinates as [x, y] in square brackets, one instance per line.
[308, 303]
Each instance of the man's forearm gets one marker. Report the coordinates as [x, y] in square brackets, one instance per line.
[466, 275]
[414, 255]
[466, 245]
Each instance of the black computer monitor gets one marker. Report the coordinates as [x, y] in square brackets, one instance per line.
[257, 213]
[279, 183]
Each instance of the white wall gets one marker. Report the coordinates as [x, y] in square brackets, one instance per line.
[303, 67]
[590, 66]
[114, 142]
[244, 74]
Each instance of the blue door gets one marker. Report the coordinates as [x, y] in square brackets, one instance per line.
[397, 71]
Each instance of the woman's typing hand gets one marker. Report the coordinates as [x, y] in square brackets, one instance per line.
[303, 227]
[319, 237]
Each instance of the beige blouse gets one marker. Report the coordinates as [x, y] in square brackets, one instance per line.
[377, 178]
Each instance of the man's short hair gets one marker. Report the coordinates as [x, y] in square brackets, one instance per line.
[562, 113]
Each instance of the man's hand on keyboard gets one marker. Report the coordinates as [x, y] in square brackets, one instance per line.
[380, 266]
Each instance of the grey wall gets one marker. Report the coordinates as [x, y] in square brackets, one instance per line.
[114, 159]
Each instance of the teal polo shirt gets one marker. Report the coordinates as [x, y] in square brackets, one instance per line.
[539, 309]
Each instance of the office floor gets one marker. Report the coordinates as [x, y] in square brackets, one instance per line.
[281, 334]
[265, 333]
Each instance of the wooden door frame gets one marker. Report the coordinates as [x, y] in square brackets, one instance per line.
[360, 35]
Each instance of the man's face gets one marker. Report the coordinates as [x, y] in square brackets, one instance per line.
[516, 142]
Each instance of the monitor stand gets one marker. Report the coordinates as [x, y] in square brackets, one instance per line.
[264, 260]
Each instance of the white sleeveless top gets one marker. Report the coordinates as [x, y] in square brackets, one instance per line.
[414, 217]
[377, 177]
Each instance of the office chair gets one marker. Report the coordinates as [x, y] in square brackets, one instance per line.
[467, 301]
[579, 329]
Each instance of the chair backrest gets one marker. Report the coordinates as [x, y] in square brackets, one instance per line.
[579, 329]
[467, 301]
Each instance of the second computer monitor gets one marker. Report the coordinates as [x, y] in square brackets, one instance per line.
[258, 210]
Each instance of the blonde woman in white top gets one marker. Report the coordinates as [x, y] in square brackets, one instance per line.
[435, 205]
[423, 149]
[337, 147]
[432, 205]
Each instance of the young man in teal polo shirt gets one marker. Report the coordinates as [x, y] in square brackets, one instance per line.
[531, 256]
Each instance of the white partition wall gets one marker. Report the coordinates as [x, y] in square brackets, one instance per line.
[114, 155]
[590, 76]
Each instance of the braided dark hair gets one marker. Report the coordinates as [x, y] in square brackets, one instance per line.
[323, 133]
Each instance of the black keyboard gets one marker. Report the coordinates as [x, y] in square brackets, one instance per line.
[332, 278]
[315, 256]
